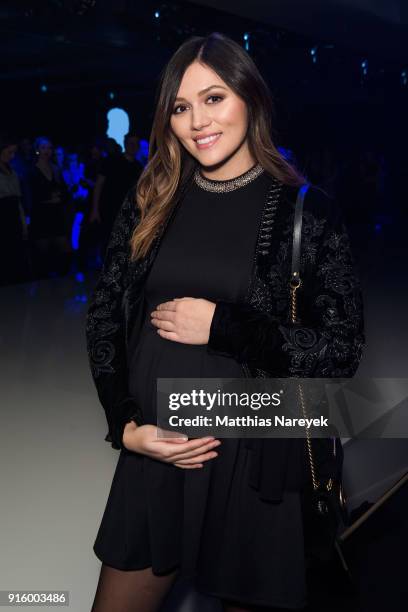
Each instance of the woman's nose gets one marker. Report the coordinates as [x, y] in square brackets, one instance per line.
[199, 119]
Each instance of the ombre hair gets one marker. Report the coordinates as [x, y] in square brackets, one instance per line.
[170, 167]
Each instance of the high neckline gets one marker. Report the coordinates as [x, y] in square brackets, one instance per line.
[223, 186]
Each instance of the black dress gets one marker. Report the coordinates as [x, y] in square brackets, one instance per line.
[49, 206]
[208, 521]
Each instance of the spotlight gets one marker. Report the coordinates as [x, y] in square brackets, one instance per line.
[246, 39]
[313, 53]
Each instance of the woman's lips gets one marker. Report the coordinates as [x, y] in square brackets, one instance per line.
[207, 145]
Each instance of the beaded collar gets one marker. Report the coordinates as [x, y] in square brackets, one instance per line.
[229, 184]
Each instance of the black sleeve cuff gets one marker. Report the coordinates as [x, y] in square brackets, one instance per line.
[240, 331]
[127, 410]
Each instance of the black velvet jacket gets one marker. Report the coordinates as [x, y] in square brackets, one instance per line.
[256, 332]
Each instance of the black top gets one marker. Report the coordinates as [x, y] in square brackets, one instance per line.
[45, 189]
[49, 205]
[206, 252]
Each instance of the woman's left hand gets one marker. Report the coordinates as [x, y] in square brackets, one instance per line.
[185, 320]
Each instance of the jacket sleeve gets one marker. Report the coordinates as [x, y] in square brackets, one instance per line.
[330, 338]
[105, 329]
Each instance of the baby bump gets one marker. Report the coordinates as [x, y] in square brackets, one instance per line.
[156, 357]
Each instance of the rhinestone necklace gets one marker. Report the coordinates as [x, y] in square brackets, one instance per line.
[229, 184]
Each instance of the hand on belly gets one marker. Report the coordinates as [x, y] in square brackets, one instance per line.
[186, 320]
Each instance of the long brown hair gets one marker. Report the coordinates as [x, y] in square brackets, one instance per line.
[169, 166]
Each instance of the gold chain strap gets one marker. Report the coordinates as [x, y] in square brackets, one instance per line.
[295, 283]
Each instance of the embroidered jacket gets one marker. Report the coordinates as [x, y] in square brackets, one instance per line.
[257, 332]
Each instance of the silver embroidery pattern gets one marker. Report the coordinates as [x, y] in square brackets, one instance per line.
[104, 317]
[331, 340]
[230, 184]
[335, 347]
[260, 293]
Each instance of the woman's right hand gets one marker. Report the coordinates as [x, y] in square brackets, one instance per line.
[188, 454]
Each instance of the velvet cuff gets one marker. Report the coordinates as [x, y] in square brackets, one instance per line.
[127, 410]
[240, 331]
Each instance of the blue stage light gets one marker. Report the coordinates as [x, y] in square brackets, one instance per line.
[313, 53]
[76, 228]
[246, 39]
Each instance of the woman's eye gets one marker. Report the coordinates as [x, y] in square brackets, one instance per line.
[175, 110]
[183, 106]
[219, 97]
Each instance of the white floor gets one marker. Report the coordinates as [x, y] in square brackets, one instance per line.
[55, 467]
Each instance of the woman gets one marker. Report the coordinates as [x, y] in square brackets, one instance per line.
[207, 295]
[50, 218]
[13, 234]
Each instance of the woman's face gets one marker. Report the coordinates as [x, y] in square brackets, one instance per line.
[8, 154]
[218, 112]
[45, 151]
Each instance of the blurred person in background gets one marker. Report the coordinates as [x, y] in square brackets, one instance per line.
[50, 219]
[73, 173]
[23, 164]
[93, 161]
[143, 152]
[14, 262]
[59, 157]
[88, 240]
[118, 173]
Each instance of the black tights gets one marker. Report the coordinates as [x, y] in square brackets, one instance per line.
[143, 591]
[131, 591]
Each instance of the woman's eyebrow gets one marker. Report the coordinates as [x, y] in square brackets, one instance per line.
[203, 91]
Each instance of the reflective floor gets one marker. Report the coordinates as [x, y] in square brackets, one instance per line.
[56, 468]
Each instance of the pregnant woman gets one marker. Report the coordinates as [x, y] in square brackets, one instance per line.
[195, 284]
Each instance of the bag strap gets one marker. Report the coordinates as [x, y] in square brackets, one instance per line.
[295, 280]
[294, 283]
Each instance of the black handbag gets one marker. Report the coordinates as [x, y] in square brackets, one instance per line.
[323, 501]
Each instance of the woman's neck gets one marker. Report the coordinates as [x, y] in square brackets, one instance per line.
[229, 169]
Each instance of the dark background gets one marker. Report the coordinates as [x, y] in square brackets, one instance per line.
[121, 47]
